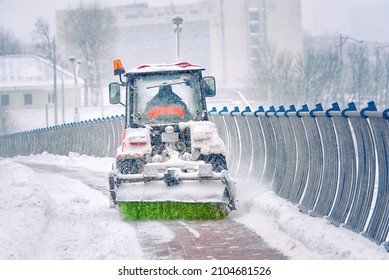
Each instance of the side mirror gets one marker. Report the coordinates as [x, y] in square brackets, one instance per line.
[208, 86]
[114, 93]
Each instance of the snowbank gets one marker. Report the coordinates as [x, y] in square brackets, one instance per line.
[64, 219]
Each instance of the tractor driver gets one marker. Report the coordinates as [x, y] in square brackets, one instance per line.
[166, 105]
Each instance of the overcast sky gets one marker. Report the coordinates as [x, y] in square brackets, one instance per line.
[365, 19]
[360, 18]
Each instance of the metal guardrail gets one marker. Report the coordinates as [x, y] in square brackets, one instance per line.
[97, 137]
[330, 163]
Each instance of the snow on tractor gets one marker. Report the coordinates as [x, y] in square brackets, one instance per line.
[171, 162]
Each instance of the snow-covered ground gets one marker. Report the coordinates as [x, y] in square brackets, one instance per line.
[49, 216]
[53, 217]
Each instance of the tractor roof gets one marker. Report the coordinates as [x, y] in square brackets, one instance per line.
[180, 66]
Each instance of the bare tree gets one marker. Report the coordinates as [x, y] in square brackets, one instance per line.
[385, 92]
[88, 32]
[318, 72]
[44, 46]
[8, 43]
[317, 75]
[380, 73]
[360, 82]
[274, 74]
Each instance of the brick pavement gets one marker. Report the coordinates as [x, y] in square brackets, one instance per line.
[201, 240]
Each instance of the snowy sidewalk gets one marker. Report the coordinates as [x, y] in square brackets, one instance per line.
[202, 240]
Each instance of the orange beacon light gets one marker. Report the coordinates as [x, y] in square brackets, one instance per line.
[118, 68]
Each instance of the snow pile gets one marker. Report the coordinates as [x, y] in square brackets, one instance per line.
[64, 219]
[204, 137]
[23, 210]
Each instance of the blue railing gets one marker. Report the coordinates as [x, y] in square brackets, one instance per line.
[98, 137]
[331, 163]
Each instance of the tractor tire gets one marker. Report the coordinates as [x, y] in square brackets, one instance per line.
[130, 166]
[218, 161]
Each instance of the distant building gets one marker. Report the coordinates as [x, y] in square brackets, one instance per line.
[26, 83]
[239, 29]
[146, 35]
[220, 35]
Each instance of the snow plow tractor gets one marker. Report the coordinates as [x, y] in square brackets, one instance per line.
[171, 162]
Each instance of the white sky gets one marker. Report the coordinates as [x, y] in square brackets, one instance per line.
[366, 19]
[328, 17]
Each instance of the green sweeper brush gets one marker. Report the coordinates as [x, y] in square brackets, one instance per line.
[195, 199]
[169, 210]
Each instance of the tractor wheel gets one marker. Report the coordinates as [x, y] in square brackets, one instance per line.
[217, 161]
[130, 166]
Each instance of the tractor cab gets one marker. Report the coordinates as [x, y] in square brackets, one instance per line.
[162, 94]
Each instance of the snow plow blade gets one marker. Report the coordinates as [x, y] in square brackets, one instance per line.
[200, 195]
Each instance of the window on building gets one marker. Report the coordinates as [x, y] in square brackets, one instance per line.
[5, 100]
[28, 99]
[50, 98]
[254, 15]
[254, 28]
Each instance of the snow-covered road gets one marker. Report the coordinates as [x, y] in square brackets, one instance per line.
[56, 207]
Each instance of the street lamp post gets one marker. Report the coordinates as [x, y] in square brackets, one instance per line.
[177, 21]
[342, 41]
[76, 66]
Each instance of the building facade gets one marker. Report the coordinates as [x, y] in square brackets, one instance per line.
[27, 84]
[240, 29]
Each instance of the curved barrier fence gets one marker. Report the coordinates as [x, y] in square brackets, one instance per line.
[98, 137]
[330, 163]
